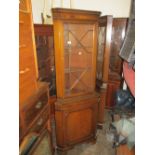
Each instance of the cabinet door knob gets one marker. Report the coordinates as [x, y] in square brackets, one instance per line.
[38, 105]
[24, 71]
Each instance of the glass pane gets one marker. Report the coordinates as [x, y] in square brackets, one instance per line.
[45, 57]
[78, 44]
[118, 33]
[100, 55]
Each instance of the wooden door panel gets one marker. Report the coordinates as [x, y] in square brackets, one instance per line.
[79, 124]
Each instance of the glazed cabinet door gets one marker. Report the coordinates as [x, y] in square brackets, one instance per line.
[104, 41]
[45, 55]
[78, 58]
[75, 43]
[118, 34]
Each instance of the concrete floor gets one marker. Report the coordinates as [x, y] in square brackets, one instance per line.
[102, 146]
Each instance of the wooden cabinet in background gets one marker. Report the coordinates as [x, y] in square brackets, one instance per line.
[44, 39]
[101, 107]
[109, 64]
[104, 45]
[45, 54]
[75, 43]
[113, 86]
[115, 62]
[118, 34]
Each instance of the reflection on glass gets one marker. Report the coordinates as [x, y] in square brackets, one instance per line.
[101, 47]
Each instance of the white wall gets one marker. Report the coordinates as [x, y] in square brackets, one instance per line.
[117, 8]
[37, 8]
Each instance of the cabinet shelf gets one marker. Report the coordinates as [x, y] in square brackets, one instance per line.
[71, 70]
[77, 51]
[76, 47]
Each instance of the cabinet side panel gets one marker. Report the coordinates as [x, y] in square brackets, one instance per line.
[59, 128]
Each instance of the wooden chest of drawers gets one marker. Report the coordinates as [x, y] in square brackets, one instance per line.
[35, 111]
[35, 124]
[31, 110]
[41, 121]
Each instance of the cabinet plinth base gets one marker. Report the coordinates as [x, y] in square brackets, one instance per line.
[99, 126]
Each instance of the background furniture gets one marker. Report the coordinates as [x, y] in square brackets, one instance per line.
[34, 117]
[28, 72]
[34, 108]
[44, 39]
[104, 43]
[115, 63]
[109, 64]
[75, 42]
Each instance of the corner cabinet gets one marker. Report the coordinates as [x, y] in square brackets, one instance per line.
[75, 42]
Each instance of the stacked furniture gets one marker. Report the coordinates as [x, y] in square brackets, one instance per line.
[75, 38]
[34, 111]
